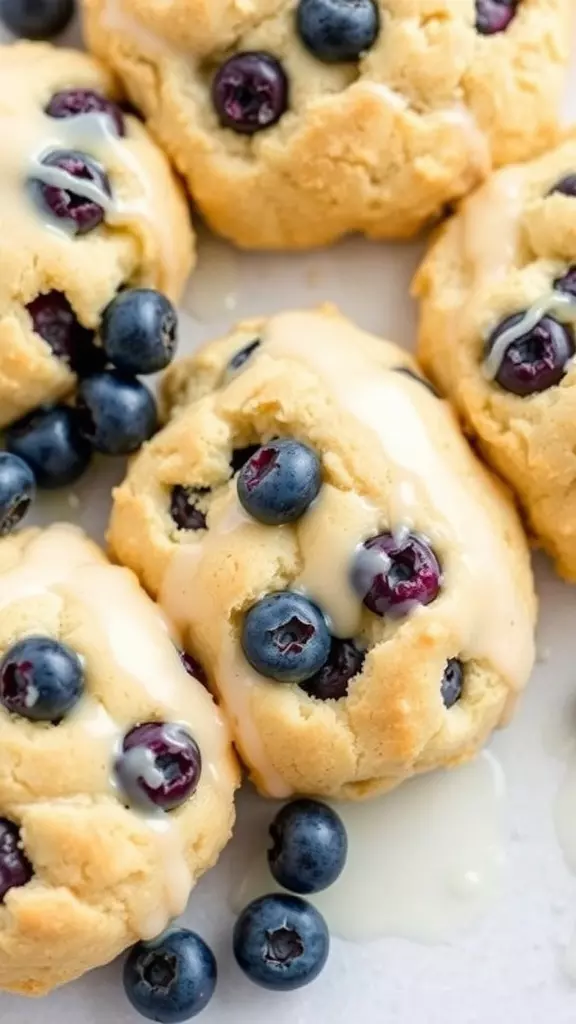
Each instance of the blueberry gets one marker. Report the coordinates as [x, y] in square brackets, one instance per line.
[344, 662]
[36, 19]
[72, 102]
[116, 412]
[537, 359]
[241, 357]
[281, 942]
[285, 637]
[184, 507]
[566, 186]
[566, 283]
[159, 764]
[40, 679]
[74, 205]
[15, 868]
[452, 682]
[55, 321]
[391, 575]
[172, 978]
[139, 331]
[279, 482]
[250, 92]
[17, 490]
[407, 372]
[49, 440]
[337, 30]
[494, 16]
[309, 846]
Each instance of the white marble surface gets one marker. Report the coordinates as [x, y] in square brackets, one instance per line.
[509, 968]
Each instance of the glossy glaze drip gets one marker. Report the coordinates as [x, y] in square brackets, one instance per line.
[560, 304]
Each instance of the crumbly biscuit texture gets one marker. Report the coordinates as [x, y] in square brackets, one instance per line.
[145, 238]
[377, 146]
[104, 875]
[509, 252]
[392, 460]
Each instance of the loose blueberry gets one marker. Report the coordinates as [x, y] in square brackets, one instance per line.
[15, 868]
[36, 19]
[139, 331]
[344, 662]
[452, 682]
[49, 440]
[566, 186]
[160, 764]
[337, 30]
[309, 846]
[285, 637]
[407, 372]
[82, 214]
[279, 482]
[391, 575]
[55, 321]
[40, 679]
[194, 668]
[281, 942]
[184, 509]
[567, 282]
[172, 978]
[250, 92]
[537, 359]
[72, 102]
[17, 490]
[494, 16]
[240, 457]
[116, 413]
[242, 356]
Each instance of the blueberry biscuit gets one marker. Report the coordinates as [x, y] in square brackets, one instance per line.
[355, 584]
[498, 309]
[117, 772]
[88, 204]
[295, 122]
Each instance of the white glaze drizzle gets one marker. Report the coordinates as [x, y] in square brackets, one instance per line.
[561, 304]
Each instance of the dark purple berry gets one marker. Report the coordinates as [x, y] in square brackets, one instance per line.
[40, 679]
[309, 846]
[81, 213]
[160, 764]
[55, 321]
[183, 507]
[452, 682]
[15, 868]
[250, 92]
[566, 186]
[337, 31]
[242, 356]
[36, 19]
[537, 359]
[172, 978]
[566, 283]
[280, 481]
[494, 16]
[344, 662]
[285, 637]
[281, 942]
[50, 442]
[72, 102]
[391, 575]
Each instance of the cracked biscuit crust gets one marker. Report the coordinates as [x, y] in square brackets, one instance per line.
[392, 458]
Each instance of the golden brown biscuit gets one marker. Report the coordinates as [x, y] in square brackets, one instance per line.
[57, 274]
[402, 689]
[508, 259]
[107, 865]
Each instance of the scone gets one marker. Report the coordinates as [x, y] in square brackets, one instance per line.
[498, 308]
[295, 123]
[355, 585]
[88, 204]
[117, 772]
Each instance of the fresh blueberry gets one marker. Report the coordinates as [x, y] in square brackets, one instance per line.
[184, 507]
[309, 846]
[49, 440]
[281, 942]
[279, 482]
[567, 282]
[344, 662]
[72, 102]
[452, 682]
[566, 186]
[15, 868]
[36, 19]
[75, 206]
[338, 30]
[240, 457]
[285, 637]
[116, 412]
[139, 331]
[172, 978]
[494, 16]
[241, 357]
[40, 679]
[160, 764]
[194, 668]
[407, 372]
[17, 490]
[250, 92]
[55, 321]
[391, 575]
[537, 360]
